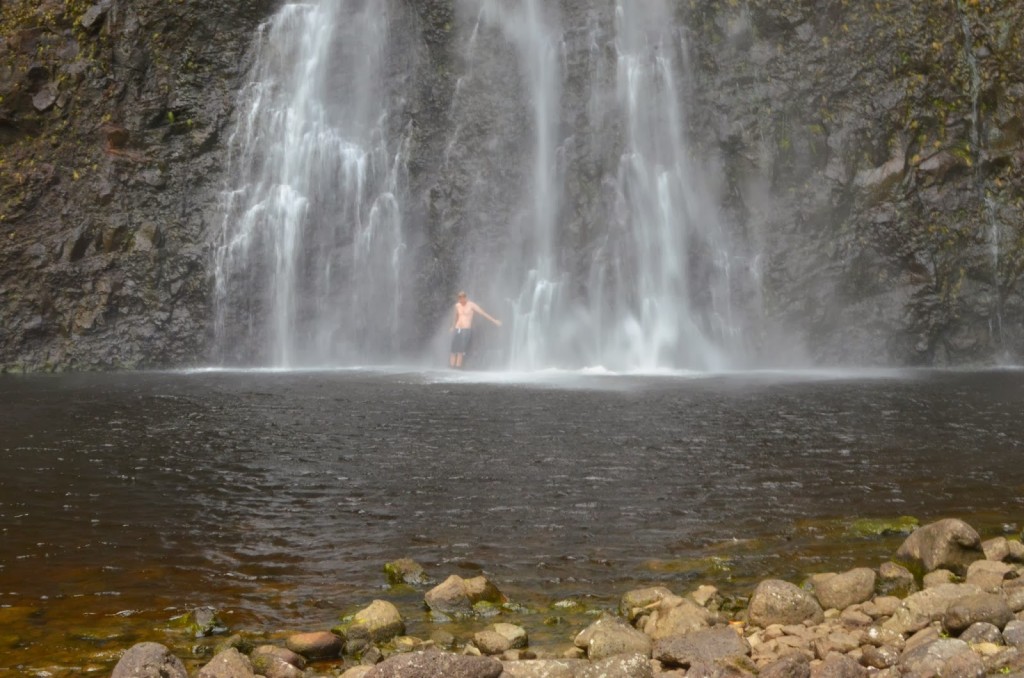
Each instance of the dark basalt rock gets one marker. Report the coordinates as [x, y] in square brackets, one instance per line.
[872, 155]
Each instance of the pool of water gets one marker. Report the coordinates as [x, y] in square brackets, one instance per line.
[277, 497]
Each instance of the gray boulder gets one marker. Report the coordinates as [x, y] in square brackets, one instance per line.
[921, 608]
[950, 544]
[793, 665]
[838, 666]
[434, 665]
[849, 588]
[674, 616]
[778, 602]
[988, 574]
[706, 646]
[945, 658]
[982, 607]
[228, 664]
[610, 636]
[982, 632]
[490, 642]
[1013, 634]
[619, 666]
[639, 602]
[997, 548]
[149, 660]
[545, 668]
[879, 657]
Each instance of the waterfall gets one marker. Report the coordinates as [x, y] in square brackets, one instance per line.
[991, 212]
[665, 235]
[566, 196]
[654, 287]
[310, 260]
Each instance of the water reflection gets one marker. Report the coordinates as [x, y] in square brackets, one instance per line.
[278, 497]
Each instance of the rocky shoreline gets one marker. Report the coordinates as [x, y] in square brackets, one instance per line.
[947, 605]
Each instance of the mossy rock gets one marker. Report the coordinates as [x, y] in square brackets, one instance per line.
[882, 527]
[201, 622]
[406, 571]
[707, 565]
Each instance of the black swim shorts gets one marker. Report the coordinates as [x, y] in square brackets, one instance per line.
[460, 340]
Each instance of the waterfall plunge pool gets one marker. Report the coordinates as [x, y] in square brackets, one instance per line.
[276, 496]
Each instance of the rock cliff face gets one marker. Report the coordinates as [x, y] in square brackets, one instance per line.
[112, 119]
[868, 156]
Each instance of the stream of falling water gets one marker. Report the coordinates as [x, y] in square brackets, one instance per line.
[310, 260]
[312, 266]
[991, 211]
[655, 286]
[645, 313]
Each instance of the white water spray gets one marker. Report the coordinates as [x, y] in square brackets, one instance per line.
[309, 265]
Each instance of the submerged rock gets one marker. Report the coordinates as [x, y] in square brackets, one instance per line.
[315, 645]
[406, 571]
[456, 596]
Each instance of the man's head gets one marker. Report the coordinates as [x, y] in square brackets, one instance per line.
[463, 298]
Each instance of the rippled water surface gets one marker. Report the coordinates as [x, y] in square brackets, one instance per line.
[277, 497]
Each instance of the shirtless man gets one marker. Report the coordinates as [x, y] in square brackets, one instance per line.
[462, 326]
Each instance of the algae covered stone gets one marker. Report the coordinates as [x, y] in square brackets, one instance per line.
[406, 571]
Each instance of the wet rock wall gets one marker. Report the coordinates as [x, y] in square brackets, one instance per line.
[867, 157]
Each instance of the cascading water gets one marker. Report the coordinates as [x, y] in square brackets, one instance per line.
[590, 232]
[991, 212]
[535, 282]
[665, 233]
[309, 266]
[627, 299]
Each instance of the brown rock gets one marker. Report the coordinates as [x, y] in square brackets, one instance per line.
[435, 665]
[846, 589]
[490, 642]
[315, 645]
[838, 666]
[983, 607]
[228, 664]
[282, 653]
[794, 665]
[544, 668]
[149, 660]
[996, 549]
[778, 602]
[988, 574]
[610, 636]
[638, 602]
[619, 666]
[450, 597]
[895, 580]
[879, 657]
[709, 646]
